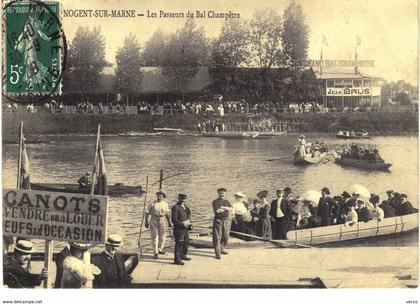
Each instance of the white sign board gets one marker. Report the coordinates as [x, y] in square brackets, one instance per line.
[57, 216]
[358, 91]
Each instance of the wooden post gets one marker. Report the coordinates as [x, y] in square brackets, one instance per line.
[49, 248]
[20, 155]
[144, 214]
[160, 179]
[92, 187]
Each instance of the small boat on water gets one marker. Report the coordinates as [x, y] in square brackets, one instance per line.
[309, 159]
[360, 163]
[139, 134]
[352, 135]
[113, 190]
[360, 230]
[243, 135]
[168, 130]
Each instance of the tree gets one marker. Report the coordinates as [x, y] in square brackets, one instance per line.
[229, 51]
[185, 51]
[128, 70]
[86, 60]
[295, 38]
[154, 49]
[266, 30]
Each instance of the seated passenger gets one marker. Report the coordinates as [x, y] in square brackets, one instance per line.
[376, 213]
[351, 216]
[362, 212]
[304, 214]
[405, 206]
[84, 180]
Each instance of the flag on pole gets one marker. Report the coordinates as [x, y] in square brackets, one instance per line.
[101, 184]
[24, 168]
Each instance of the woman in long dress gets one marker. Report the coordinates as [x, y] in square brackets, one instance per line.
[301, 153]
[264, 219]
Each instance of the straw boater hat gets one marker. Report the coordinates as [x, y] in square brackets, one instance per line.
[302, 136]
[239, 194]
[114, 240]
[24, 246]
[161, 192]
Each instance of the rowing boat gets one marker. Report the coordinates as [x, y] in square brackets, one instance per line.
[360, 163]
[243, 135]
[308, 159]
[168, 130]
[113, 190]
[360, 230]
[139, 134]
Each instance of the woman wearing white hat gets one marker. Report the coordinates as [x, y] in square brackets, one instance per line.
[240, 211]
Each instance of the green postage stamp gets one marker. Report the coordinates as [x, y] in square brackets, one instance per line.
[34, 48]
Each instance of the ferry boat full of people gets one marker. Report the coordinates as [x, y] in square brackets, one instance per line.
[352, 134]
[360, 157]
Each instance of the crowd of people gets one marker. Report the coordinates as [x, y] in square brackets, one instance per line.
[285, 212]
[361, 153]
[76, 267]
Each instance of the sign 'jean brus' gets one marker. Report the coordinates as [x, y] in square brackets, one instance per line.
[55, 216]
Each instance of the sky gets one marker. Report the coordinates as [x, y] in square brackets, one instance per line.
[388, 29]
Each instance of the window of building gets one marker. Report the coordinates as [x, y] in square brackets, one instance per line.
[357, 83]
[347, 83]
[366, 82]
[375, 83]
[330, 83]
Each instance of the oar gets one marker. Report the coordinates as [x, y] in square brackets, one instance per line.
[280, 158]
[144, 209]
[264, 239]
[177, 174]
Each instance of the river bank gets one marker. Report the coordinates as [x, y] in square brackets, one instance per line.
[377, 123]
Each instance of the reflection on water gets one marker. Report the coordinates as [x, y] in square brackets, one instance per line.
[238, 165]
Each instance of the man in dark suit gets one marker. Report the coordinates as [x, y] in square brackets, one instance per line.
[111, 263]
[181, 219]
[16, 270]
[325, 206]
[279, 213]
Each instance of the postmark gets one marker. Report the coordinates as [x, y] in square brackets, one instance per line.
[34, 49]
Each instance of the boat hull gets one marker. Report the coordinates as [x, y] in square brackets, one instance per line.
[308, 160]
[242, 136]
[360, 230]
[113, 190]
[362, 164]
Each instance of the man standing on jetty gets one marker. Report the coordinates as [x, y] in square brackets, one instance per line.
[221, 223]
[181, 219]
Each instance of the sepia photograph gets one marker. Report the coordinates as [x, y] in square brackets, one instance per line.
[213, 144]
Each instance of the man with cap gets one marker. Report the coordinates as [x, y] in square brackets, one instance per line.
[181, 219]
[111, 263]
[16, 269]
[158, 211]
[221, 223]
[84, 180]
[405, 206]
[279, 213]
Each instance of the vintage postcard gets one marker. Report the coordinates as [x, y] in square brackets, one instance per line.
[209, 144]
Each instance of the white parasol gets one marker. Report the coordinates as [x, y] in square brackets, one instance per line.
[312, 196]
[359, 189]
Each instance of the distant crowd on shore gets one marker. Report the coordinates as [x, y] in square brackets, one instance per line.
[219, 108]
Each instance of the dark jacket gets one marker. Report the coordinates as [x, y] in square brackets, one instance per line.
[324, 206]
[59, 265]
[389, 211]
[180, 214]
[113, 271]
[15, 276]
[284, 206]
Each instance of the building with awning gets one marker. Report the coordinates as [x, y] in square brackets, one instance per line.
[345, 87]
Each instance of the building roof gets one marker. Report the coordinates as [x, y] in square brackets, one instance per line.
[341, 73]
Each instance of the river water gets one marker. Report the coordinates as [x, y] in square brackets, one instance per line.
[205, 164]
